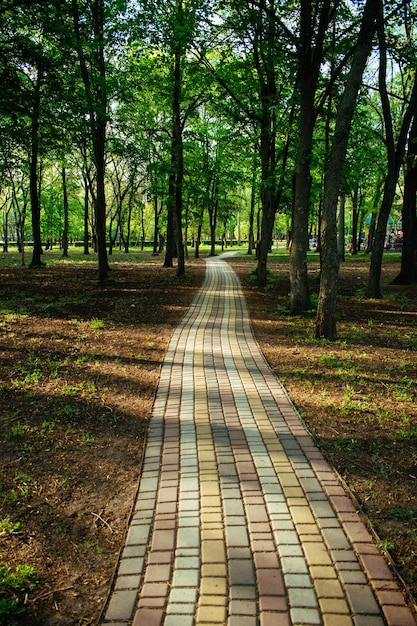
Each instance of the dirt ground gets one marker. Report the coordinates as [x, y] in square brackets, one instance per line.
[79, 366]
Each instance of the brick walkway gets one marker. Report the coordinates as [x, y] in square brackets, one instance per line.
[239, 521]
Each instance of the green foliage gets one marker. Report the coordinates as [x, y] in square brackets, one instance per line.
[7, 527]
[97, 324]
[14, 585]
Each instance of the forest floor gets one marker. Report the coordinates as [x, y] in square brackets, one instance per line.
[79, 366]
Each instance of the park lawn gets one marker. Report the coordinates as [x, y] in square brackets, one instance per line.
[79, 366]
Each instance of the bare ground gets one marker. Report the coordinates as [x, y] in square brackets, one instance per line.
[79, 366]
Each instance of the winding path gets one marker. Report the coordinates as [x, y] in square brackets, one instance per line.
[239, 521]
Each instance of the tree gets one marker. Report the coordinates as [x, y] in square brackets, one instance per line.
[89, 43]
[326, 310]
[408, 271]
[396, 148]
[312, 34]
[251, 67]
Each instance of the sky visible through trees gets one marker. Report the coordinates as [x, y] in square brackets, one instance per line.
[179, 122]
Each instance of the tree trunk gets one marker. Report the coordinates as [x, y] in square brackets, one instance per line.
[96, 97]
[408, 271]
[355, 216]
[268, 130]
[34, 191]
[371, 233]
[6, 230]
[341, 229]
[155, 226]
[198, 240]
[395, 157]
[213, 206]
[86, 212]
[309, 62]
[100, 147]
[177, 151]
[170, 243]
[65, 198]
[251, 237]
[299, 290]
[326, 310]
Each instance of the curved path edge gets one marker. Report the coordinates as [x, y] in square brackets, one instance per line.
[239, 520]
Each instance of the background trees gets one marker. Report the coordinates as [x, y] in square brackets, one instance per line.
[177, 122]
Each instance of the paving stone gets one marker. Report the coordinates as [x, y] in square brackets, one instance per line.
[302, 597]
[399, 616]
[305, 616]
[294, 565]
[178, 608]
[297, 580]
[138, 534]
[270, 582]
[326, 588]
[131, 566]
[211, 614]
[237, 536]
[243, 607]
[336, 539]
[213, 552]
[150, 617]
[241, 572]
[128, 582]
[242, 592]
[213, 586]
[121, 605]
[214, 569]
[316, 554]
[275, 604]
[133, 551]
[273, 619]
[185, 578]
[361, 599]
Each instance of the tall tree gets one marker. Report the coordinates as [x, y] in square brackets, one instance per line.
[326, 310]
[312, 35]
[396, 147]
[89, 44]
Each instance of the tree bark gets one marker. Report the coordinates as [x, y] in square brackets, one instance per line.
[408, 271]
[65, 199]
[264, 64]
[212, 210]
[326, 310]
[86, 211]
[34, 191]
[341, 229]
[178, 157]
